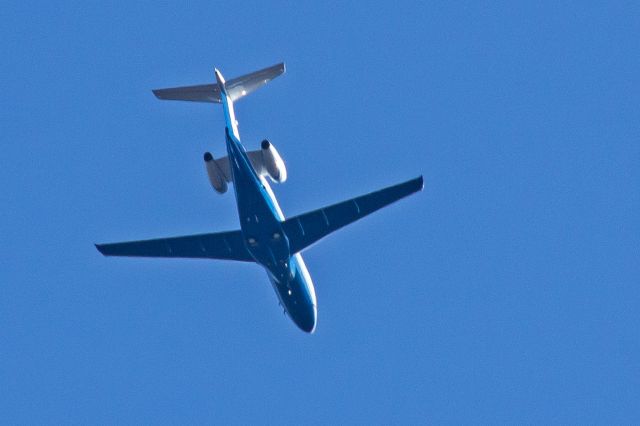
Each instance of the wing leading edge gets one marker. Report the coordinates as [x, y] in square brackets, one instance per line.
[222, 245]
[307, 228]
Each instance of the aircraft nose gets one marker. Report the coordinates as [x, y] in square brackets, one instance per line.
[306, 320]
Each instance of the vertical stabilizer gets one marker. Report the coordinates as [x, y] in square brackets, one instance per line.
[227, 105]
[220, 81]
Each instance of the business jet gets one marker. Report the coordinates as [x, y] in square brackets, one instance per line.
[265, 237]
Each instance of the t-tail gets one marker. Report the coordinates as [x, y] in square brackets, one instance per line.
[224, 92]
[236, 87]
[266, 161]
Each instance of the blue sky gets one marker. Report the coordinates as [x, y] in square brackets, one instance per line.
[506, 292]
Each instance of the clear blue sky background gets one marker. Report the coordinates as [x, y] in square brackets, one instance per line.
[506, 292]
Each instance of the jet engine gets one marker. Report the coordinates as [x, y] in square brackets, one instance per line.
[272, 162]
[216, 176]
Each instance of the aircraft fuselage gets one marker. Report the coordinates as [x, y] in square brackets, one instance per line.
[261, 225]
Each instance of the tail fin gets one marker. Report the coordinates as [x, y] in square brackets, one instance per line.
[236, 88]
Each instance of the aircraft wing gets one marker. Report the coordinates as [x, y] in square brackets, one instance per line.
[307, 228]
[222, 245]
[236, 88]
[198, 93]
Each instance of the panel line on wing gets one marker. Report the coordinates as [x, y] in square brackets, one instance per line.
[300, 225]
[226, 243]
[326, 219]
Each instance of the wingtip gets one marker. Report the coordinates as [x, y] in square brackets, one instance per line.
[99, 248]
[417, 183]
[157, 93]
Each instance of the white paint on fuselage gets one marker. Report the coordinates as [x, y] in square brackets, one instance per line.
[307, 279]
[272, 197]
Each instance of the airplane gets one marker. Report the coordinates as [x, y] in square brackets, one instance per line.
[265, 237]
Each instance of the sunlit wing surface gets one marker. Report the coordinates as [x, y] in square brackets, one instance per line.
[223, 245]
[307, 228]
[236, 88]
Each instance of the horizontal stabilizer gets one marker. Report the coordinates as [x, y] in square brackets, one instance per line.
[307, 228]
[222, 245]
[236, 88]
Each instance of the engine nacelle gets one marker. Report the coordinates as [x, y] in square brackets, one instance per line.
[216, 177]
[273, 162]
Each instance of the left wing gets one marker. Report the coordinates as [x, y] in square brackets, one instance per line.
[222, 245]
[307, 228]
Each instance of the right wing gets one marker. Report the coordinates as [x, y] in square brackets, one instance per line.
[307, 228]
[222, 245]
[236, 88]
